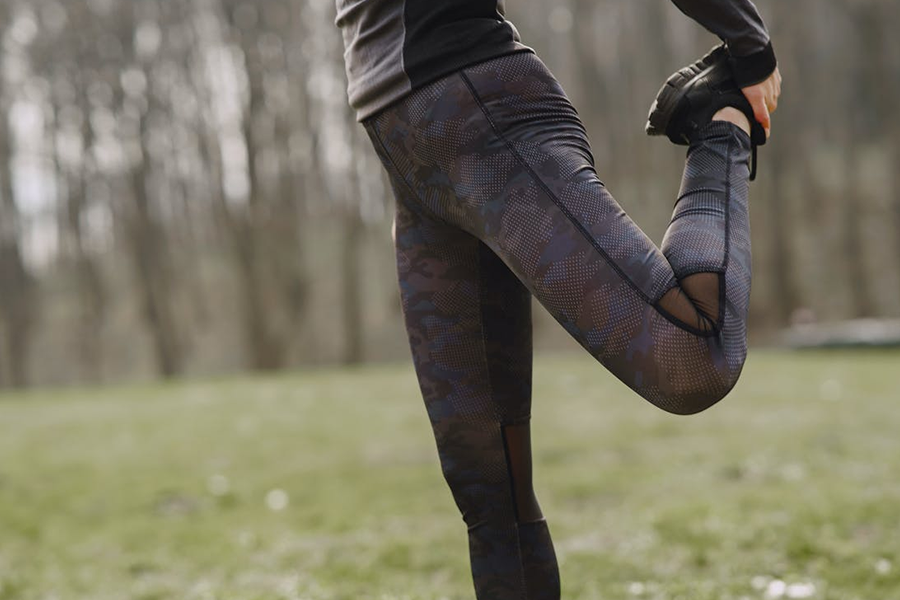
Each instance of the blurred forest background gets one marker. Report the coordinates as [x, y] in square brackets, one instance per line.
[183, 189]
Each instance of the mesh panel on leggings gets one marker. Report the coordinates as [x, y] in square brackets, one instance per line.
[695, 301]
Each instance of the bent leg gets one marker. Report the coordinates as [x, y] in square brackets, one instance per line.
[469, 324]
[499, 151]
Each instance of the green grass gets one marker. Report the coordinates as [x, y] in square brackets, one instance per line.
[121, 493]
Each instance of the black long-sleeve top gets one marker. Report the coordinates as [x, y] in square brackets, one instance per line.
[395, 46]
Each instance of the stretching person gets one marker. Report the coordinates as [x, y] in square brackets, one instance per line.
[498, 201]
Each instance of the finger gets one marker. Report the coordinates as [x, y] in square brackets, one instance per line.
[763, 117]
[761, 114]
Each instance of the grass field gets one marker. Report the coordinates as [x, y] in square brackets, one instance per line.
[325, 485]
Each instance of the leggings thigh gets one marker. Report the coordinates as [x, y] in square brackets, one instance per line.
[498, 199]
[497, 151]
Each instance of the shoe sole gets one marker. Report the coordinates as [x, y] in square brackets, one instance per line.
[670, 95]
[673, 90]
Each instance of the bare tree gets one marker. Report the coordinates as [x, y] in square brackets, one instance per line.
[18, 289]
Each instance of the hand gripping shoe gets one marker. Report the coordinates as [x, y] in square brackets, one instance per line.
[689, 99]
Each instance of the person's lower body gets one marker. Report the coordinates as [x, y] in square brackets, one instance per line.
[498, 200]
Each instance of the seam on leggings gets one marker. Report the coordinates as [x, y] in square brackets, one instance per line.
[509, 472]
[482, 247]
[512, 495]
[722, 300]
[698, 270]
[725, 259]
[578, 226]
[697, 191]
[704, 212]
[475, 526]
[421, 206]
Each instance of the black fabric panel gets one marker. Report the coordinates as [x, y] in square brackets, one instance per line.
[444, 36]
[506, 332]
[755, 68]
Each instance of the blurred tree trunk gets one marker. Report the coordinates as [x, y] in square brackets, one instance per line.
[598, 90]
[266, 347]
[18, 290]
[852, 241]
[149, 254]
[89, 285]
[778, 234]
[893, 49]
[143, 219]
[292, 276]
[884, 77]
[351, 289]
[265, 344]
[854, 205]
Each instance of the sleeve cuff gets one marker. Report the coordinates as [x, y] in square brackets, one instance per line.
[754, 68]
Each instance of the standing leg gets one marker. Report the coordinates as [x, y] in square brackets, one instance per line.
[469, 324]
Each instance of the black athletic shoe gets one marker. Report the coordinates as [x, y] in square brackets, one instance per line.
[689, 99]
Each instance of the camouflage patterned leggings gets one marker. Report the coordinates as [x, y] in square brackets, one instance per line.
[498, 200]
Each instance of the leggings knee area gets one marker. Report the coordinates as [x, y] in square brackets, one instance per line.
[492, 483]
[517, 446]
[698, 395]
